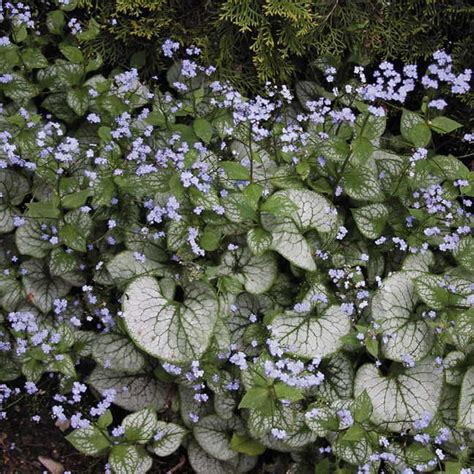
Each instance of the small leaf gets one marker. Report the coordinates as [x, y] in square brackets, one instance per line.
[258, 240]
[55, 22]
[203, 129]
[354, 433]
[362, 407]
[256, 398]
[129, 459]
[414, 129]
[245, 444]
[73, 237]
[72, 53]
[285, 392]
[444, 125]
[235, 170]
[78, 100]
[168, 439]
[140, 426]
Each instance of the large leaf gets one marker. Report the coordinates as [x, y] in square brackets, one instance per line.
[117, 352]
[393, 307]
[41, 287]
[255, 272]
[171, 330]
[133, 392]
[466, 401]
[310, 335]
[400, 400]
[289, 242]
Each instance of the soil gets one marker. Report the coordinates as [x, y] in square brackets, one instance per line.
[23, 441]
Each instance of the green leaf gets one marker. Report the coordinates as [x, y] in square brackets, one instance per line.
[362, 183]
[414, 129]
[124, 266]
[464, 253]
[245, 444]
[140, 426]
[89, 441]
[91, 32]
[400, 400]
[73, 237]
[444, 125]
[279, 205]
[362, 407]
[43, 209]
[362, 150]
[55, 22]
[235, 170]
[353, 434]
[258, 240]
[78, 100]
[75, 200]
[285, 392]
[210, 238]
[126, 459]
[33, 58]
[170, 330]
[257, 398]
[156, 117]
[105, 419]
[170, 437]
[13, 187]
[371, 219]
[72, 53]
[203, 129]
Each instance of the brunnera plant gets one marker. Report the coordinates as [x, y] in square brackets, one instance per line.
[278, 275]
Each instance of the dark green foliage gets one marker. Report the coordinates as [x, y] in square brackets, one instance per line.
[279, 39]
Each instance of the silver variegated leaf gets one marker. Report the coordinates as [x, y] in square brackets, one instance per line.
[129, 459]
[124, 266]
[466, 401]
[170, 330]
[42, 288]
[133, 392]
[168, 439]
[255, 272]
[371, 219]
[29, 240]
[289, 242]
[118, 352]
[309, 335]
[212, 434]
[392, 307]
[140, 426]
[398, 401]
